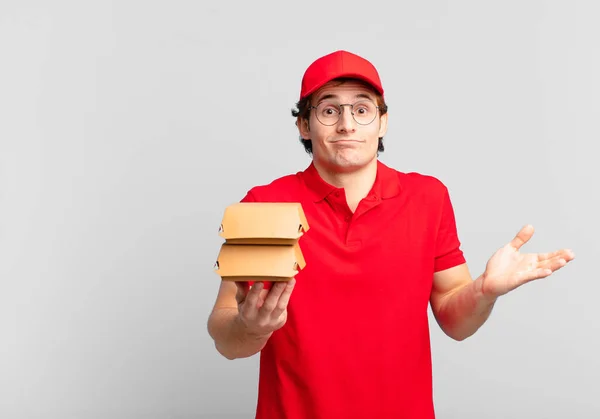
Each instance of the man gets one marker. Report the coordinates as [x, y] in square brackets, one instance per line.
[348, 337]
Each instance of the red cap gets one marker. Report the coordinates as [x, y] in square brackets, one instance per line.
[339, 64]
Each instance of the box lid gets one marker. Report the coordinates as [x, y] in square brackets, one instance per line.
[260, 261]
[261, 222]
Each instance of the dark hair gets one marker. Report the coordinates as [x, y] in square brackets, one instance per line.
[303, 112]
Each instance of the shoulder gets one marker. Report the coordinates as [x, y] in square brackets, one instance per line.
[423, 183]
[412, 182]
[281, 189]
[423, 192]
[428, 196]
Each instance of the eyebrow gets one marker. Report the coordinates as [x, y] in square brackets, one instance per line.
[332, 96]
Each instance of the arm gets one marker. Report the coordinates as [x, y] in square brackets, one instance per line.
[243, 320]
[231, 338]
[461, 305]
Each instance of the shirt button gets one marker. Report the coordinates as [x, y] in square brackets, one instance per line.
[337, 194]
[348, 218]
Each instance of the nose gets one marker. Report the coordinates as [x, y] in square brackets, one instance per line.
[346, 122]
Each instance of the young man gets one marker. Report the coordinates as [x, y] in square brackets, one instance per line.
[348, 337]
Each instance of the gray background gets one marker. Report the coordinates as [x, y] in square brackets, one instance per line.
[126, 127]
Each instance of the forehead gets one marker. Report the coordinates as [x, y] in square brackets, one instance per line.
[344, 91]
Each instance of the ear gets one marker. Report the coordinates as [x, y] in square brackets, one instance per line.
[303, 127]
[383, 123]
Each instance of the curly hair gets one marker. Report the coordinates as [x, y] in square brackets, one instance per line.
[302, 111]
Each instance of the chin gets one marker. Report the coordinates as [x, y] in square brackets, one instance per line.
[350, 163]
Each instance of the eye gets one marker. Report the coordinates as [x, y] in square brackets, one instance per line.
[363, 108]
[329, 110]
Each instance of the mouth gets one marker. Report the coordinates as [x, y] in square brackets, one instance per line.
[346, 140]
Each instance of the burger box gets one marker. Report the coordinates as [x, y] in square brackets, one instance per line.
[261, 242]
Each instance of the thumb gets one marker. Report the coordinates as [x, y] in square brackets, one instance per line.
[522, 237]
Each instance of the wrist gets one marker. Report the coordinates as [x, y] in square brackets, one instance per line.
[481, 295]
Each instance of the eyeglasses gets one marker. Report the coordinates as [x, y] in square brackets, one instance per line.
[329, 113]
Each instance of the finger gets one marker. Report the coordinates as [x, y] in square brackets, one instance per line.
[284, 299]
[252, 299]
[550, 255]
[566, 254]
[553, 264]
[534, 274]
[262, 295]
[242, 291]
[542, 269]
[522, 237]
[271, 300]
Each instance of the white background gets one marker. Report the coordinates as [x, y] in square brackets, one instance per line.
[126, 127]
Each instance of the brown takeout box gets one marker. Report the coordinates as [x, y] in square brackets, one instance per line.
[261, 241]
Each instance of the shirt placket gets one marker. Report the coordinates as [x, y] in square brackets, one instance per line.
[348, 219]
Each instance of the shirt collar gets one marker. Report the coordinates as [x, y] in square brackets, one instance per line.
[386, 185]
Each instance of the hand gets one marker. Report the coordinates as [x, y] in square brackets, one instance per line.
[508, 269]
[261, 311]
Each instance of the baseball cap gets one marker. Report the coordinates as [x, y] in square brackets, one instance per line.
[339, 64]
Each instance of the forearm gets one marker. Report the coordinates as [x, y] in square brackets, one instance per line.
[464, 311]
[230, 336]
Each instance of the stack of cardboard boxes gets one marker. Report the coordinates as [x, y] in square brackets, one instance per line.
[261, 242]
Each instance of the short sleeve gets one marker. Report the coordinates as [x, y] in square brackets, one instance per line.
[249, 197]
[447, 247]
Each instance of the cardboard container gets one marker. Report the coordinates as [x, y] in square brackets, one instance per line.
[261, 242]
[263, 223]
[259, 262]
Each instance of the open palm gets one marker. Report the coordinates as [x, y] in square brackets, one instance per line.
[508, 269]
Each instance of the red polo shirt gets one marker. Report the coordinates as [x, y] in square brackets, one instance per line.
[356, 342]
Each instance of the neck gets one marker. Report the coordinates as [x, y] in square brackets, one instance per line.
[356, 183]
